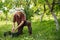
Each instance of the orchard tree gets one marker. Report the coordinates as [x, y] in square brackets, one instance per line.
[51, 4]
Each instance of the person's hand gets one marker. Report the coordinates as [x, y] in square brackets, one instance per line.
[13, 29]
[16, 28]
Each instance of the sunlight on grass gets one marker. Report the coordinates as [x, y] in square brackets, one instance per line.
[41, 31]
[36, 18]
[4, 22]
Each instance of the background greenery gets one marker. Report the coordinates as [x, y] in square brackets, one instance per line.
[43, 14]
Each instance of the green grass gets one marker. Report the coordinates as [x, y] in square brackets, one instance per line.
[45, 30]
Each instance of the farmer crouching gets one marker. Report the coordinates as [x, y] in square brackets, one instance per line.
[20, 18]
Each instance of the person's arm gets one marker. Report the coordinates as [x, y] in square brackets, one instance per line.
[22, 22]
[23, 18]
[13, 24]
[13, 27]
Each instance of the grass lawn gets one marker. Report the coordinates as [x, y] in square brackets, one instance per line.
[45, 30]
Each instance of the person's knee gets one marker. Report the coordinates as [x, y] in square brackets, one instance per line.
[28, 23]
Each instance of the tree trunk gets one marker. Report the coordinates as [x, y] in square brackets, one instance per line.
[42, 14]
[56, 21]
[52, 12]
[41, 17]
[55, 18]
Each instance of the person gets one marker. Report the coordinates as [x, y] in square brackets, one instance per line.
[20, 18]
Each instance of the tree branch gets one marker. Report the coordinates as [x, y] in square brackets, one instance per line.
[48, 4]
